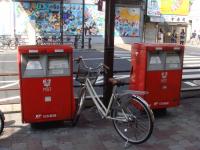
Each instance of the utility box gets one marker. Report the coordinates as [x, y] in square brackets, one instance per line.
[46, 83]
[157, 68]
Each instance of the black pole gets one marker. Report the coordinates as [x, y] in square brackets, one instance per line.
[109, 48]
[61, 22]
[83, 24]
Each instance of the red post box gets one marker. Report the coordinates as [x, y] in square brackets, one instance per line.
[157, 68]
[46, 83]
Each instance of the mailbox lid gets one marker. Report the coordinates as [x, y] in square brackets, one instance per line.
[41, 61]
[44, 49]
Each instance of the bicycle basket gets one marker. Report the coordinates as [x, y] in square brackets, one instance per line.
[86, 72]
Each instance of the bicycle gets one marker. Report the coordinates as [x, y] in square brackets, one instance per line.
[130, 114]
[2, 118]
[7, 43]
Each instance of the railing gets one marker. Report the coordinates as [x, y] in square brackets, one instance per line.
[73, 40]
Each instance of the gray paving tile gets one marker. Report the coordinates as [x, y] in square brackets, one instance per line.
[177, 130]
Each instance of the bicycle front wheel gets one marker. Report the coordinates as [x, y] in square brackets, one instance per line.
[134, 121]
[79, 106]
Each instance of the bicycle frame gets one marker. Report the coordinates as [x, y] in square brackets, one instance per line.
[100, 106]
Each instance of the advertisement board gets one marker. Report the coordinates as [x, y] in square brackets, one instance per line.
[127, 22]
[167, 7]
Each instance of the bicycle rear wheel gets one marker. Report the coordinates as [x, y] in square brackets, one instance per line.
[1, 122]
[134, 121]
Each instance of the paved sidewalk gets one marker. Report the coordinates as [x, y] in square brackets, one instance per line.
[178, 130]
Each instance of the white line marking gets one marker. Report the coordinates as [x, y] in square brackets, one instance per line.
[191, 62]
[122, 76]
[6, 61]
[191, 70]
[195, 58]
[125, 57]
[101, 58]
[189, 56]
[190, 83]
[190, 65]
[8, 85]
[123, 54]
[10, 98]
[12, 81]
[191, 76]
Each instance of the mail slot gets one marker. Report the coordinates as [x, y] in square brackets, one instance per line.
[157, 68]
[46, 83]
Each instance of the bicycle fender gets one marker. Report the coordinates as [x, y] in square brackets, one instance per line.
[128, 95]
[133, 92]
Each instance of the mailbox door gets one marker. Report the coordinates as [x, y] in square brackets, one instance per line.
[173, 87]
[164, 88]
[46, 99]
[173, 68]
[153, 85]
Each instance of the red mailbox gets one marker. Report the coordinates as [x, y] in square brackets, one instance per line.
[157, 68]
[46, 83]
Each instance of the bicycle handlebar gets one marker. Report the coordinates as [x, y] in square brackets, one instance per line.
[103, 66]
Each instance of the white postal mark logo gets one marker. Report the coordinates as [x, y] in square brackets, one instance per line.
[46, 85]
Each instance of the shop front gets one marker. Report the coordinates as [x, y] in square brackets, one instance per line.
[169, 17]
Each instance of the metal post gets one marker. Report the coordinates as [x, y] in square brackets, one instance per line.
[109, 48]
[83, 24]
[14, 21]
[61, 22]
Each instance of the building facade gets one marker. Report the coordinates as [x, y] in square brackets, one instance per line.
[65, 18]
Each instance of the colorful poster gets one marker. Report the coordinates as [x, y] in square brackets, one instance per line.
[94, 20]
[167, 7]
[46, 17]
[127, 22]
[72, 18]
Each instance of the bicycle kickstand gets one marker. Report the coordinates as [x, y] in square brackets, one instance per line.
[126, 144]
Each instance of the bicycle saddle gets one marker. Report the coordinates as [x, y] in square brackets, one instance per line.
[117, 82]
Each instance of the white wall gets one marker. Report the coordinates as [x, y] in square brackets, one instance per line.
[195, 16]
[6, 17]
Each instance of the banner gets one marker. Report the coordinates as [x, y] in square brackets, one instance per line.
[174, 7]
[167, 7]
